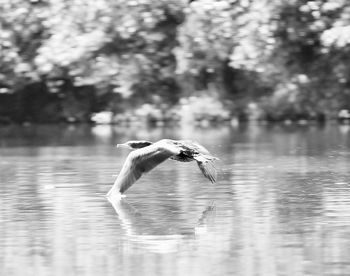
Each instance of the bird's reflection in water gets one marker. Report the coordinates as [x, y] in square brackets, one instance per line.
[207, 219]
[149, 234]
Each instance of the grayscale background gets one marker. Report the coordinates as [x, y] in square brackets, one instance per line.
[263, 85]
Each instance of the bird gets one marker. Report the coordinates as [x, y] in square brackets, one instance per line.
[147, 155]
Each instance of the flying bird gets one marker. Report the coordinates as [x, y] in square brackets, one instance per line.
[147, 155]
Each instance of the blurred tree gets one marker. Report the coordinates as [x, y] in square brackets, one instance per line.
[224, 48]
[110, 46]
[22, 31]
[311, 86]
[72, 58]
[124, 47]
[291, 56]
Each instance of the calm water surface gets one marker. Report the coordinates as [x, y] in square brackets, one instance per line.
[281, 205]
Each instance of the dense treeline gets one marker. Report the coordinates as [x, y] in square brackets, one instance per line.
[276, 60]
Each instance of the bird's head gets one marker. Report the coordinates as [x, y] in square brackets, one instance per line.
[134, 144]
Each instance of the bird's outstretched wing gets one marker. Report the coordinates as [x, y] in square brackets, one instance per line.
[139, 162]
[206, 165]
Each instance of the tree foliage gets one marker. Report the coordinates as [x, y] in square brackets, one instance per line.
[289, 58]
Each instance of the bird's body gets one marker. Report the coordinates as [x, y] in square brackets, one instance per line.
[148, 155]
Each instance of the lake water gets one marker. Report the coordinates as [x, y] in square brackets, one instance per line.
[281, 205]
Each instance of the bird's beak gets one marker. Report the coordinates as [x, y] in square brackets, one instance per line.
[123, 146]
